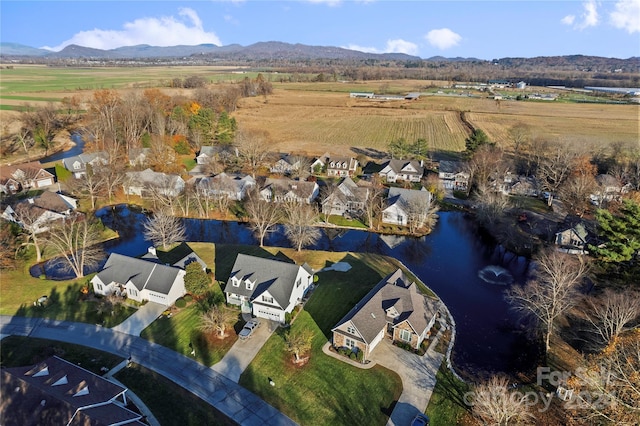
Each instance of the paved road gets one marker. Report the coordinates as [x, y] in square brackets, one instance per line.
[140, 319]
[238, 358]
[418, 374]
[233, 400]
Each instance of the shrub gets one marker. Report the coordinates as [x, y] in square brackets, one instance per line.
[315, 278]
[352, 355]
[360, 355]
[181, 303]
[287, 317]
[188, 298]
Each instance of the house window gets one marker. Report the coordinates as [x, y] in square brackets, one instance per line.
[133, 292]
[99, 287]
[351, 330]
[249, 285]
[350, 343]
[235, 282]
[267, 299]
[405, 335]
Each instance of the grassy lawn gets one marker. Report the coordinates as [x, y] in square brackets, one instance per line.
[170, 403]
[342, 221]
[325, 391]
[182, 328]
[64, 301]
[19, 351]
[446, 406]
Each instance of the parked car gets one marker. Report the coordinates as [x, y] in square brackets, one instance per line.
[420, 420]
[248, 328]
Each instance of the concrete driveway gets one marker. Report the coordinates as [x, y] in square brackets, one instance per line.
[242, 352]
[141, 319]
[418, 374]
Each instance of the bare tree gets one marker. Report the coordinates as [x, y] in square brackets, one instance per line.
[487, 162]
[298, 342]
[218, 319]
[164, 229]
[300, 220]
[576, 192]
[491, 205]
[253, 147]
[132, 115]
[554, 167]
[610, 313]
[263, 215]
[92, 183]
[421, 214]
[25, 139]
[494, 404]
[303, 167]
[28, 216]
[374, 204]
[552, 293]
[520, 134]
[76, 240]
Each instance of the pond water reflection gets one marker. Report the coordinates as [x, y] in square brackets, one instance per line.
[448, 261]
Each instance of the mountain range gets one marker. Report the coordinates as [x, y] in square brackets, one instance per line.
[279, 51]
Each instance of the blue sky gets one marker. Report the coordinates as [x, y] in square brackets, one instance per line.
[425, 28]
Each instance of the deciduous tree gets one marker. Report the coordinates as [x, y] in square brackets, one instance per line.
[164, 229]
[76, 240]
[196, 280]
[218, 319]
[495, 404]
[300, 220]
[263, 215]
[611, 313]
[298, 341]
[552, 292]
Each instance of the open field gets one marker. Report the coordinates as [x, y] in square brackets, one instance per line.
[314, 118]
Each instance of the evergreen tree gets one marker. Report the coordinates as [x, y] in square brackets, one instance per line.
[620, 232]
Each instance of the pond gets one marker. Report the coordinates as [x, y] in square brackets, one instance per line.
[449, 261]
[73, 151]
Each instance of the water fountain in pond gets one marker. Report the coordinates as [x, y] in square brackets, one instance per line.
[494, 274]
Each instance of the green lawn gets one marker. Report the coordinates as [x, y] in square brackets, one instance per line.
[19, 351]
[170, 403]
[447, 406]
[182, 328]
[341, 221]
[325, 391]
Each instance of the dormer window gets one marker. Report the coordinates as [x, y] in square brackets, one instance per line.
[61, 381]
[235, 282]
[83, 391]
[249, 284]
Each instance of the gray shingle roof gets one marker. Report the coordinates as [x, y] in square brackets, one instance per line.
[407, 196]
[273, 275]
[369, 316]
[142, 273]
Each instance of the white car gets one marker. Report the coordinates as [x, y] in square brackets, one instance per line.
[248, 328]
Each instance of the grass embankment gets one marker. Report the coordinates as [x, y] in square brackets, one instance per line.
[325, 391]
[447, 405]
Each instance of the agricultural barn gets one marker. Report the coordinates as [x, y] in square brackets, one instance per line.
[361, 95]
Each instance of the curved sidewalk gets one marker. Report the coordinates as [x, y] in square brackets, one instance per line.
[236, 402]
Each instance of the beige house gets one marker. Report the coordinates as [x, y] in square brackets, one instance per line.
[395, 309]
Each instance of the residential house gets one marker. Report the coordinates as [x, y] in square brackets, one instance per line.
[341, 166]
[402, 170]
[609, 188]
[234, 186]
[24, 176]
[453, 175]
[138, 157]
[78, 163]
[286, 164]
[220, 152]
[282, 190]
[139, 280]
[524, 185]
[58, 392]
[267, 288]
[572, 238]
[404, 204]
[41, 211]
[319, 163]
[180, 256]
[393, 308]
[348, 199]
[148, 182]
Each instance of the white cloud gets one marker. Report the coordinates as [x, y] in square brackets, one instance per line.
[626, 15]
[590, 16]
[392, 46]
[327, 2]
[568, 20]
[443, 38]
[401, 46]
[164, 31]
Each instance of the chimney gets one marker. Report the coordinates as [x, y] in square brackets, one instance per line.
[152, 250]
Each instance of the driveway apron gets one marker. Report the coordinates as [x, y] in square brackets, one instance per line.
[418, 374]
[141, 319]
[238, 358]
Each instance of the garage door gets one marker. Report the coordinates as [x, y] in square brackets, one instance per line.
[154, 297]
[45, 182]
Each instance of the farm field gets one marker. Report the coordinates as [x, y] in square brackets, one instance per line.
[314, 118]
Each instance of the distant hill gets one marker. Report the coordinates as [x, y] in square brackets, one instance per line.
[257, 51]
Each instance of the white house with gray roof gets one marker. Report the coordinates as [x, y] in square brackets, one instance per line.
[78, 163]
[284, 190]
[405, 206]
[395, 170]
[139, 280]
[267, 288]
[393, 308]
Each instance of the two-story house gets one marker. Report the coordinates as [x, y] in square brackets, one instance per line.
[402, 171]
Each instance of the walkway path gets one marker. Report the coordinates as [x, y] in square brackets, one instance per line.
[140, 319]
[238, 358]
[231, 399]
